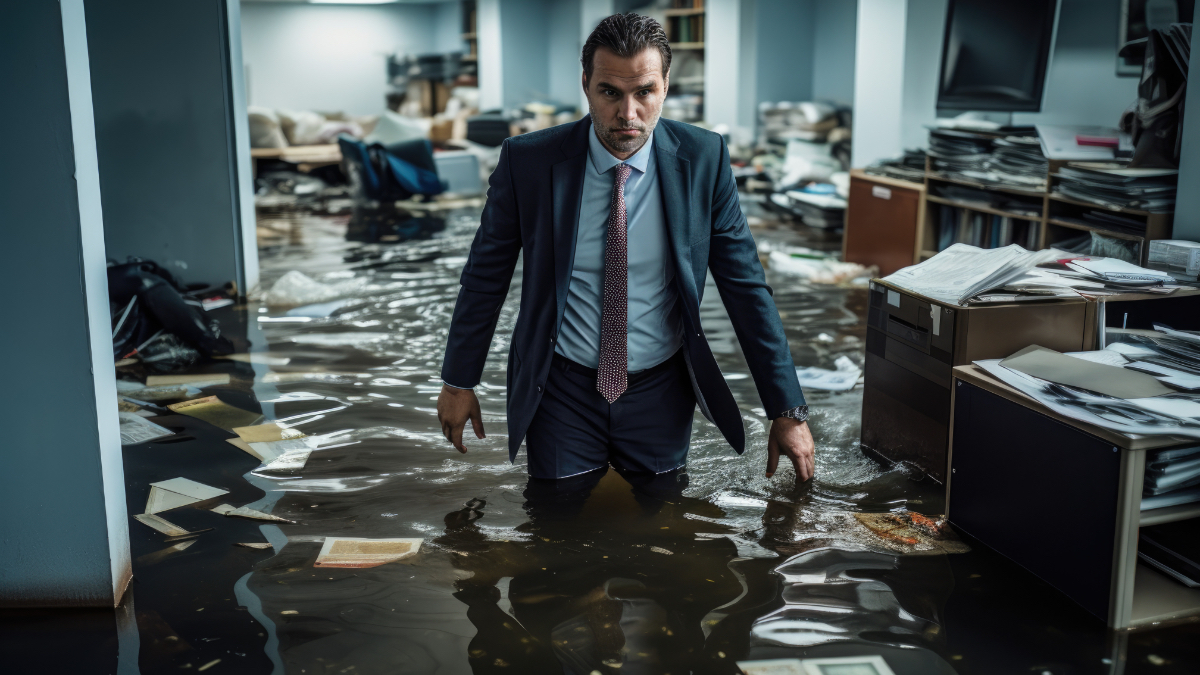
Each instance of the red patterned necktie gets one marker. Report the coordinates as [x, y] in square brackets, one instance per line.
[611, 376]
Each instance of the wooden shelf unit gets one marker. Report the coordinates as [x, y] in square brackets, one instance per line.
[469, 28]
[1052, 224]
[685, 25]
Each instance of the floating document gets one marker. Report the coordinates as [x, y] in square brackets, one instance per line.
[845, 377]
[270, 431]
[162, 525]
[772, 667]
[199, 380]
[152, 394]
[216, 412]
[359, 553]
[289, 455]
[259, 358]
[243, 512]
[255, 544]
[172, 494]
[136, 429]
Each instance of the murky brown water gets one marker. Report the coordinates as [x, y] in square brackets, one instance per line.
[683, 573]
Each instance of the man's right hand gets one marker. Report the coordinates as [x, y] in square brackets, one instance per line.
[454, 407]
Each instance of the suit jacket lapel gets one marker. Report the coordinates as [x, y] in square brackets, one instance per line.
[567, 176]
[674, 173]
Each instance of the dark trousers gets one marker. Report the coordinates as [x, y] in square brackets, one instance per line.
[646, 430]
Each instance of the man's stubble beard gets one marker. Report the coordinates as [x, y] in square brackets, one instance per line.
[618, 143]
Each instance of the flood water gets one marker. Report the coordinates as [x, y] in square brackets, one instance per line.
[681, 573]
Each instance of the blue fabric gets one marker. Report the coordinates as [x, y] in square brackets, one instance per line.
[655, 329]
[646, 430]
[531, 214]
[389, 177]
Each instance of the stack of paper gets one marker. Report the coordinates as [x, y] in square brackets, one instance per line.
[1116, 187]
[962, 272]
[1116, 271]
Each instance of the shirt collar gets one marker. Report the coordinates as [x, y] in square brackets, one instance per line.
[603, 160]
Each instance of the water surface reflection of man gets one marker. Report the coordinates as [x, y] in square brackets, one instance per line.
[609, 576]
[618, 219]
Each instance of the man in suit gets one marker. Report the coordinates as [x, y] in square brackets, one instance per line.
[619, 216]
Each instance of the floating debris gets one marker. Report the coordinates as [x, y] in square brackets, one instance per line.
[360, 553]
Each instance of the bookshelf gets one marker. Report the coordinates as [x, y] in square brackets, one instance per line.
[684, 23]
[978, 208]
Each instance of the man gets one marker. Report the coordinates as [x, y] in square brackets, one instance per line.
[619, 217]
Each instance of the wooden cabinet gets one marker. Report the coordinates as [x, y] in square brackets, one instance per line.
[882, 218]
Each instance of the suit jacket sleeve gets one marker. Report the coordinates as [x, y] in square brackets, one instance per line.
[733, 260]
[485, 280]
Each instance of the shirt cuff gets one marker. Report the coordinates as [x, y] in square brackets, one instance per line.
[455, 386]
[799, 413]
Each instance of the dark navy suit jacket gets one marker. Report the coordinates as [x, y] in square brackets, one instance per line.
[533, 207]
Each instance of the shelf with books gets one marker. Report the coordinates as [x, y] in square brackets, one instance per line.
[931, 175]
[981, 208]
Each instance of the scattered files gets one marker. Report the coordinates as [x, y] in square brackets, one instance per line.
[162, 525]
[172, 494]
[243, 512]
[216, 412]
[137, 429]
[199, 380]
[842, 379]
[962, 272]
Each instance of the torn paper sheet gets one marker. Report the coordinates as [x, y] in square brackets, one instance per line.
[253, 544]
[243, 512]
[198, 380]
[244, 447]
[216, 412]
[261, 433]
[162, 525]
[136, 429]
[358, 553]
[842, 379]
[910, 532]
[288, 460]
[172, 494]
[261, 359]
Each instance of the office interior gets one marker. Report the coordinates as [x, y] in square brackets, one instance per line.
[237, 229]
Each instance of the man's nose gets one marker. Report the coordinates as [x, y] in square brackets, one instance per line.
[628, 109]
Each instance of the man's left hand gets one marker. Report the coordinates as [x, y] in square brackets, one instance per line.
[792, 438]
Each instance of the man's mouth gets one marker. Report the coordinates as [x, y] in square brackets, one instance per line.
[627, 132]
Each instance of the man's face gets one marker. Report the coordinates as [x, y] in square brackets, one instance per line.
[625, 97]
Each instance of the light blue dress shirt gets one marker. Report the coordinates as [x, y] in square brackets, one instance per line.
[654, 326]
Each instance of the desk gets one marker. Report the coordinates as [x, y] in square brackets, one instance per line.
[1061, 498]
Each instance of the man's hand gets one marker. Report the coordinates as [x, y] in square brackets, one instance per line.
[455, 407]
[789, 437]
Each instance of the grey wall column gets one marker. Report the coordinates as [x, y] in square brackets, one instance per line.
[163, 77]
[1187, 208]
[62, 500]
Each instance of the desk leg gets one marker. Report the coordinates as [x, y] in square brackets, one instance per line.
[1129, 514]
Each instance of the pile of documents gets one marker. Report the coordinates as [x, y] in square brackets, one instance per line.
[1018, 161]
[910, 167]
[960, 153]
[966, 275]
[1111, 185]
[1147, 383]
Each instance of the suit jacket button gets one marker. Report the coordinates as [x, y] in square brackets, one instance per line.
[539, 389]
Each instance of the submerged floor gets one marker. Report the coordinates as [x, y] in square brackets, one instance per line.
[686, 573]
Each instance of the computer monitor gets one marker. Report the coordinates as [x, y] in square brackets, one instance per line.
[994, 55]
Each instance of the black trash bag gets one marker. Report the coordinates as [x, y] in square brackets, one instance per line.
[166, 353]
[1155, 121]
[146, 301]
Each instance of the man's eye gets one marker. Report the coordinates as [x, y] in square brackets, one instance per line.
[644, 92]
[609, 92]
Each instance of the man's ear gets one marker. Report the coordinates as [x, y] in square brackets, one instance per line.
[667, 82]
[584, 76]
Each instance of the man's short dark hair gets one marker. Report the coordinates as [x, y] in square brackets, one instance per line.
[626, 35]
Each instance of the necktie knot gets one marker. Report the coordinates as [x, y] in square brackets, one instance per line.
[622, 174]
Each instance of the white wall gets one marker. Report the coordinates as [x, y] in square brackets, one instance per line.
[329, 57]
[564, 46]
[924, 25]
[878, 80]
[722, 48]
[491, 65]
[448, 27]
[1187, 208]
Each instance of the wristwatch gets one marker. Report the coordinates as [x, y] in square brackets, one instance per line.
[799, 413]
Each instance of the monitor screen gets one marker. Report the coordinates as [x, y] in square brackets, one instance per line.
[994, 55]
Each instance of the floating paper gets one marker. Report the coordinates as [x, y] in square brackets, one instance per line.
[172, 494]
[161, 524]
[772, 667]
[135, 429]
[261, 433]
[216, 412]
[253, 544]
[195, 380]
[842, 379]
[359, 553]
[151, 394]
[273, 450]
[262, 359]
[291, 460]
[244, 447]
[151, 558]
[243, 512]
